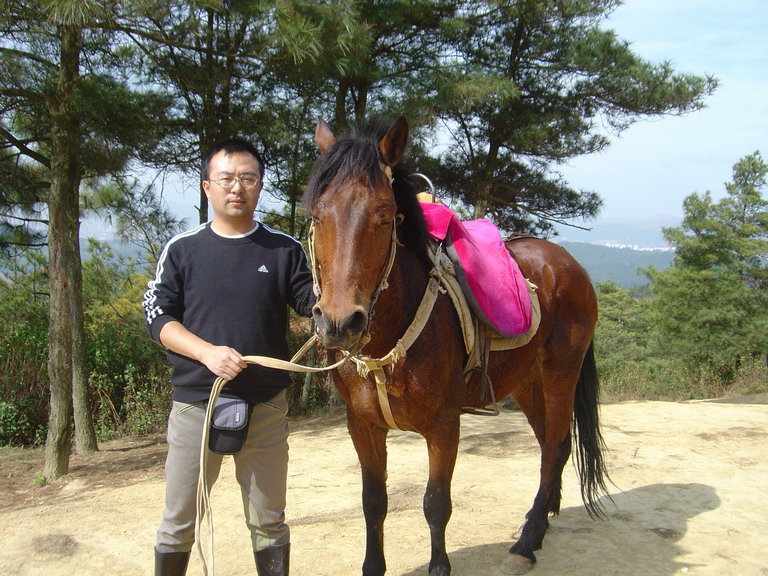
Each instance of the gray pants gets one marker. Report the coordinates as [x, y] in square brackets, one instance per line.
[261, 469]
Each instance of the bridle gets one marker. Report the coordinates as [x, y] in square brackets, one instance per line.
[366, 364]
[383, 283]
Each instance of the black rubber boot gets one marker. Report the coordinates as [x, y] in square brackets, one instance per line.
[171, 563]
[273, 561]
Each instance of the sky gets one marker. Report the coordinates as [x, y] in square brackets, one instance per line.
[648, 170]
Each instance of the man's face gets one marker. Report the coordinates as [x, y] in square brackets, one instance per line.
[233, 206]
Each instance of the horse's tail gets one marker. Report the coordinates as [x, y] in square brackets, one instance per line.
[587, 439]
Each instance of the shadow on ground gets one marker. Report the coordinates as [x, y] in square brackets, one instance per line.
[640, 535]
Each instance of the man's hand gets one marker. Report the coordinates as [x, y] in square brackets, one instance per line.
[223, 361]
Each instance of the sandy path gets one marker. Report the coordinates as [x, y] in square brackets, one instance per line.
[690, 499]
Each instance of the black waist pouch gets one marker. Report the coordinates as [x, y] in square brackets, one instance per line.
[229, 425]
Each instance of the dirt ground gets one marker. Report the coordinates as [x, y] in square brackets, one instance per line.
[689, 498]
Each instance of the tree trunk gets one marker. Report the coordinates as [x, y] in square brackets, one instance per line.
[208, 109]
[361, 105]
[340, 107]
[85, 433]
[484, 191]
[64, 257]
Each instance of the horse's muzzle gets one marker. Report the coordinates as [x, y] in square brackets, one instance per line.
[343, 334]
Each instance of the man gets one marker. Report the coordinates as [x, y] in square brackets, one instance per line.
[221, 291]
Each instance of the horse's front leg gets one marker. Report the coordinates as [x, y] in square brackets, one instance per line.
[442, 444]
[371, 445]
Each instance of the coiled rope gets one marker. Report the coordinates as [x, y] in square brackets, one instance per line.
[203, 490]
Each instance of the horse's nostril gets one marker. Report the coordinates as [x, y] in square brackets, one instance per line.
[344, 331]
[322, 323]
[354, 324]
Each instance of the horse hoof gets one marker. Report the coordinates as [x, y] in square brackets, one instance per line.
[516, 564]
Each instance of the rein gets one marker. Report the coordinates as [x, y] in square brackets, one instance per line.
[367, 364]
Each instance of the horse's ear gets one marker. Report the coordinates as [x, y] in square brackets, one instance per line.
[324, 138]
[393, 144]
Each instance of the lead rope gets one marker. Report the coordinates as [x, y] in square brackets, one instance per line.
[203, 490]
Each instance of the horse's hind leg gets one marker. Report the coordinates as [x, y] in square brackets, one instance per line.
[521, 554]
[442, 444]
[550, 419]
[371, 446]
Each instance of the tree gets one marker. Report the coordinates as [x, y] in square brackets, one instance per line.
[66, 356]
[730, 234]
[528, 87]
[518, 86]
[138, 214]
[712, 304]
[209, 59]
[61, 127]
[391, 62]
[621, 336]
[266, 71]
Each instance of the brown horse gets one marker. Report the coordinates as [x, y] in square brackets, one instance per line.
[363, 208]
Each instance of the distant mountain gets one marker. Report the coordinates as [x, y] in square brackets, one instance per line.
[604, 263]
[621, 232]
[620, 265]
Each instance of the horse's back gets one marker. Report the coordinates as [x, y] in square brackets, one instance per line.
[559, 278]
[552, 360]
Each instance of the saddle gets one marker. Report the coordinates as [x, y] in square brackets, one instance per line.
[490, 279]
[497, 306]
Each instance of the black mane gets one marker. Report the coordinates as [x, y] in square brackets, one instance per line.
[356, 155]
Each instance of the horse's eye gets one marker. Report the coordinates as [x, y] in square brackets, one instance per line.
[389, 220]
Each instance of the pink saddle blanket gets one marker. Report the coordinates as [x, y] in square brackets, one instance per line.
[490, 278]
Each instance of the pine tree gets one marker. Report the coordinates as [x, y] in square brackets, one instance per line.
[711, 305]
[529, 85]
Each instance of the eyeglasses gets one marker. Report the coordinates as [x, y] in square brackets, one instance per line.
[246, 181]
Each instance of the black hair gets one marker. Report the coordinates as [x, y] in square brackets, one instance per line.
[229, 146]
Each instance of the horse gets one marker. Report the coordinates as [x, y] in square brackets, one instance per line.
[368, 254]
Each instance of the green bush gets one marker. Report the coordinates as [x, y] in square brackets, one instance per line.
[23, 361]
[19, 425]
[650, 380]
[143, 407]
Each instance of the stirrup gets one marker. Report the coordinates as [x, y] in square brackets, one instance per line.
[482, 411]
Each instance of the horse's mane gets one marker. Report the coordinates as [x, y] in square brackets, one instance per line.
[356, 155]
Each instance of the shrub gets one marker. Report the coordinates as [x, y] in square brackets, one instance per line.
[17, 425]
[23, 361]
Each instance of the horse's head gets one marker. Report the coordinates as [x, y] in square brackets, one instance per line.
[355, 214]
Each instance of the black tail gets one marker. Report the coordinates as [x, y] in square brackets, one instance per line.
[588, 442]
